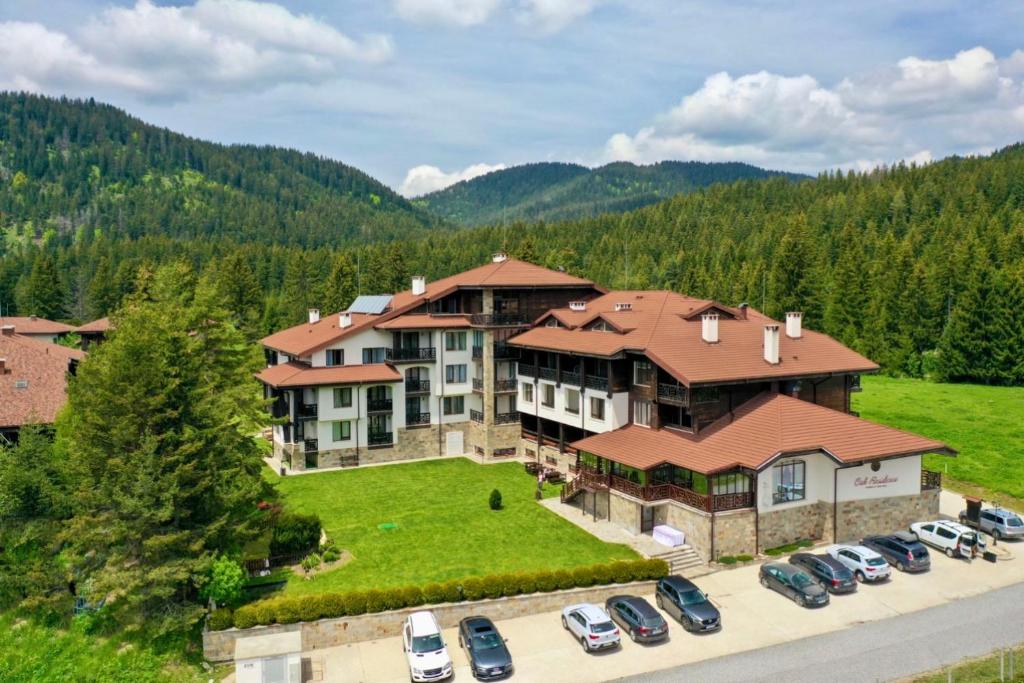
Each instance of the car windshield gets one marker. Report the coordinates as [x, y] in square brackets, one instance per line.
[692, 597]
[1014, 521]
[842, 574]
[602, 627]
[427, 643]
[919, 552]
[875, 561]
[800, 580]
[486, 641]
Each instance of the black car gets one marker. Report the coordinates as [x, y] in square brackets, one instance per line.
[902, 550]
[830, 572]
[794, 583]
[637, 618]
[489, 659]
[685, 602]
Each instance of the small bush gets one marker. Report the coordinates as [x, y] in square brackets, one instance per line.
[311, 562]
[726, 559]
[433, 593]
[264, 612]
[356, 603]
[412, 596]
[602, 574]
[493, 586]
[655, 569]
[334, 605]
[805, 543]
[452, 591]
[287, 610]
[495, 500]
[221, 619]
[473, 588]
[295, 533]
[583, 576]
[565, 579]
[312, 607]
[546, 581]
[225, 582]
[744, 558]
[774, 552]
[526, 583]
[376, 601]
[331, 555]
[246, 616]
[624, 572]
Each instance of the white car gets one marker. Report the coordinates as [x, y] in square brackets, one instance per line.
[865, 563]
[952, 538]
[591, 625]
[425, 649]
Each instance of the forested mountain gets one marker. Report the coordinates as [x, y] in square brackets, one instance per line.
[557, 191]
[67, 165]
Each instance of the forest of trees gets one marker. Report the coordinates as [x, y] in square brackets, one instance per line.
[558, 191]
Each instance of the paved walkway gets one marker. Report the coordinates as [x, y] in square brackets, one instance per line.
[605, 530]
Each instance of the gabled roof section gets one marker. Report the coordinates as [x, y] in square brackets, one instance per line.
[763, 429]
[101, 326]
[300, 375]
[304, 339]
[34, 325]
[424, 321]
[666, 327]
[33, 384]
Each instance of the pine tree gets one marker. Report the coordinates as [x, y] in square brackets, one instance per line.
[102, 294]
[42, 293]
[237, 284]
[793, 283]
[340, 289]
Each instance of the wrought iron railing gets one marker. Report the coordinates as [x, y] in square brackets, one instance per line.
[417, 386]
[425, 353]
[478, 384]
[506, 385]
[379, 405]
[414, 419]
[478, 352]
[476, 415]
[306, 410]
[506, 418]
[310, 445]
[380, 438]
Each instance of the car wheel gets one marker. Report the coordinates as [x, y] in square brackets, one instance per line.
[583, 642]
[632, 635]
[949, 552]
[859, 575]
[997, 535]
[659, 601]
[764, 582]
[565, 624]
[901, 567]
[800, 600]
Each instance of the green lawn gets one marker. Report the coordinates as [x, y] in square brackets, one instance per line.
[445, 528]
[983, 670]
[985, 424]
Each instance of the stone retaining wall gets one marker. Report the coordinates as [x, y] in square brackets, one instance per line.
[734, 533]
[797, 523]
[219, 646]
[860, 518]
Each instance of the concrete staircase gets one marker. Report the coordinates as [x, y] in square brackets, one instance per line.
[682, 560]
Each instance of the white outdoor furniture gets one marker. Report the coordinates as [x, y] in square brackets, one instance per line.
[670, 536]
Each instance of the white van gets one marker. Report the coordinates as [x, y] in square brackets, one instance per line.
[952, 538]
[425, 649]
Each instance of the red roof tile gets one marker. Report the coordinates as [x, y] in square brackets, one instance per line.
[421, 321]
[94, 327]
[764, 428]
[33, 384]
[33, 325]
[300, 375]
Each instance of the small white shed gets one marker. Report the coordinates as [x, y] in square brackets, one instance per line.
[272, 658]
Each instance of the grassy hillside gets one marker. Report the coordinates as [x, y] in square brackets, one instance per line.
[556, 191]
[984, 423]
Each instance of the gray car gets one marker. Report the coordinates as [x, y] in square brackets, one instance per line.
[794, 583]
[998, 523]
[489, 658]
[641, 622]
[681, 599]
[902, 550]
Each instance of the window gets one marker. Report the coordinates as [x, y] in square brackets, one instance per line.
[335, 357]
[551, 322]
[596, 408]
[376, 354]
[454, 405]
[572, 401]
[734, 482]
[341, 431]
[455, 341]
[548, 395]
[527, 393]
[642, 413]
[643, 373]
[788, 482]
[455, 374]
[343, 397]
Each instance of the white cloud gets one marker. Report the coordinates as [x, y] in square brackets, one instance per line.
[551, 16]
[174, 52]
[425, 179]
[906, 112]
[546, 16]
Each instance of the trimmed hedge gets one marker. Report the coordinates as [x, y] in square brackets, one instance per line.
[288, 610]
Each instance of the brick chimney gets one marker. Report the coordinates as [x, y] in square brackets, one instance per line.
[419, 285]
[7, 330]
[771, 344]
[709, 328]
[499, 257]
[4, 370]
[743, 310]
[577, 305]
[794, 325]
[345, 320]
[314, 315]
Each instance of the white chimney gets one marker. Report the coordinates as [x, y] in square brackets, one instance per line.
[500, 257]
[314, 315]
[419, 285]
[709, 328]
[345, 320]
[771, 344]
[794, 325]
[623, 307]
[577, 305]
[7, 330]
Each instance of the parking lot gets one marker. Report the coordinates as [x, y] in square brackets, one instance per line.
[753, 617]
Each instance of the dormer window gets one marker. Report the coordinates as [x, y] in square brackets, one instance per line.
[551, 322]
[623, 306]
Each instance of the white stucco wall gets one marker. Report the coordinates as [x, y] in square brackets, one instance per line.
[897, 477]
[616, 409]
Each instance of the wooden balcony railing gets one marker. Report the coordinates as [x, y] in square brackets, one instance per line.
[572, 378]
[666, 491]
[379, 405]
[425, 353]
[506, 418]
[547, 373]
[930, 480]
[476, 415]
[415, 419]
[505, 352]
[674, 393]
[499, 319]
[596, 382]
[528, 435]
[527, 370]
[417, 386]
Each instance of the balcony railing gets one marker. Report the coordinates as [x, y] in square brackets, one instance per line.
[310, 446]
[417, 386]
[424, 353]
[596, 382]
[674, 393]
[665, 491]
[506, 418]
[527, 370]
[379, 405]
[572, 378]
[930, 480]
[505, 352]
[499, 319]
[380, 438]
[528, 435]
[416, 419]
[305, 410]
[506, 385]
[478, 384]
[476, 415]
[478, 352]
[546, 373]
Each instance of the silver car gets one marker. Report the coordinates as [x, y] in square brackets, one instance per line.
[998, 523]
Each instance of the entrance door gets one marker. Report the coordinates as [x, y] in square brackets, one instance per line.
[312, 460]
[453, 444]
[646, 519]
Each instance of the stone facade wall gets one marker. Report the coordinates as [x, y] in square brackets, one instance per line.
[735, 533]
[694, 523]
[219, 646]
[860, 518]
[625, 512]
[793, 524]
[594, 503]
[410, 444]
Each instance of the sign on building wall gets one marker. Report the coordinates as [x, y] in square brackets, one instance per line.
[897, 477]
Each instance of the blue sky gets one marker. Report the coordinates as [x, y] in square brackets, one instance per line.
[421, 93]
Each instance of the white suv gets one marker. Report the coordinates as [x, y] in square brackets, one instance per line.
[424, 648]
[591, 625]
[866, 564]
[952, 538]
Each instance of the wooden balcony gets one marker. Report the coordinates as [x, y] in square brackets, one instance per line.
[424, 354]
[505, 352]
[664, 491]
[596, 382]
[676, 394]
[930, 481]
[499, 320]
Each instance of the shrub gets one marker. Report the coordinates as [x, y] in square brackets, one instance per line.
[294, 533]
[412, 596]
[624, 572]
[452, 591]
[654, 568]
[356, 603]
[602, 574]
[220, 619]
[495, 501]
[564, 579]
[225, 582]
[246, 616]
[805, 543]
[493, 586]
[726, 559]
[526, 583]
[287, 610]
[473, 588]
[433, 593]
[744, 558]
[583, 576]
[331, 555]
[376, 601]
[774, 552]
[334, 605]
[312, 607]
[264, 612]
[311, 562]
[546, 581]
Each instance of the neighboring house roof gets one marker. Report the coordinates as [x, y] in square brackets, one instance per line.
[101, 326]
[306, 338]
[761, 430]
[33, 381]
[666, 327]
[412, 321]
[299, 375]
[33, 325]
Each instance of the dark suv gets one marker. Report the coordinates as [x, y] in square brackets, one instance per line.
[828, 571]
[902, 550]
[641, 622]
[682, 599]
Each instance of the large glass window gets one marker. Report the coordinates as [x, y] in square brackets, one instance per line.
[341, 431]
[643, 373]
[734, 482]
[343, 397]
[596, 408]
[455, 341]
[642, 413]
[455, 374]
[572, 401]
[788, 481]
[335, 357]
[454, 405]
[527, 393]
[547, 392]
[377, 354]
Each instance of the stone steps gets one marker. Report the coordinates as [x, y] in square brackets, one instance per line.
[681, 560]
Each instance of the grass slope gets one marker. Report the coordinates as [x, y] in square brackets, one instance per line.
[445, 528]
[985, 424]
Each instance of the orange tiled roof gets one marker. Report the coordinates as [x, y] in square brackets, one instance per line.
[666, 327]
[33, 325]
[412, 321]
[300, 375]
[43, 368]
[94, 327]
[762, 429]
[306, 338]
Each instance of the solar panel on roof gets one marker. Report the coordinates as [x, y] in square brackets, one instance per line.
[371, 304]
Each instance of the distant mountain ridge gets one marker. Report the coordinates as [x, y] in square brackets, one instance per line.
[556, 191]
